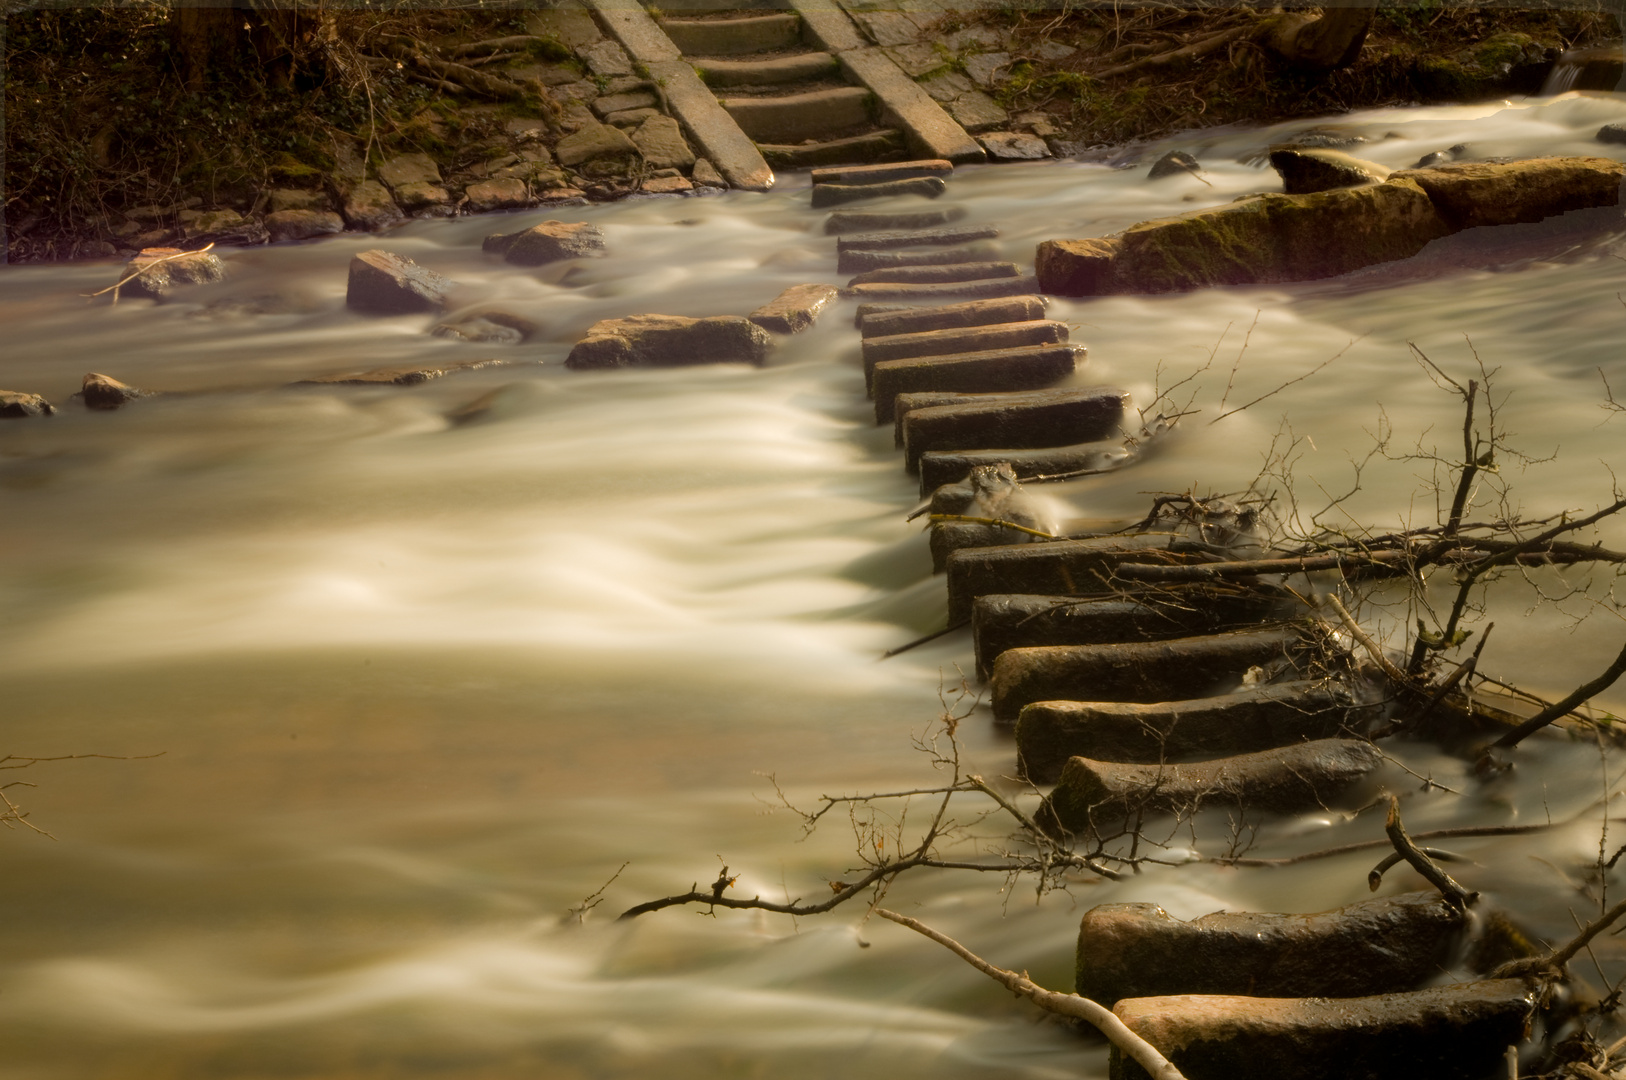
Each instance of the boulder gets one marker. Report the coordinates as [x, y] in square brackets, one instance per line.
[424, 199]
[159, 271]
[302, 224]
[1442, 157]
[548, 242]
[207, 224]
[1174, 163]
[369, 206]
[385, 283]
[106, 392]
[1378, 946]
[1455, 1032]
[1469, 194]
[1151, 671]
[15, 405]
[1305, 171]
[660, 140]
[507, 193]
[670, 340]
[592, 142]
[1612, 133]
[1289, 780]
[404, 169]
[280, 199]
[795, 309]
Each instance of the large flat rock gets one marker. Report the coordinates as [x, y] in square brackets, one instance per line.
[670, 341]
[876, 174]
[1474, 193]
[795, 309]
[925, 292]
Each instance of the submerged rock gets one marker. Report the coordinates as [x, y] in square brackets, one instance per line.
[106, 392]
[1370, 947]
[398, 376]
[1612, 133]
[391, 284]
[1442, 157]
[487, 327]
[16, 405]
[548, 242]
[670, 340]
[1305, 171]
[159, 271]
[1174, 163]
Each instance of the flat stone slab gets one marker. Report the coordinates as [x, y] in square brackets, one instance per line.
[795, 309]
[929, 187]
[940, 467]
[951, 316]
[794, 117]
[1457, 1032]
[547, 242]
[398, 376]
[1380, 946]
[846, 221]
[1038, 418]
[1003, 621]
[914, 237]
[877, 174]
[925, 292]
[1030, 367]
[878, 348]
[1081, 567]
[18, 405]
[862, 147]
[798, 67]
[669, 341]
[1248, 720]
[734, 37]
[859, 261]
[1288, 780]
[1149, 671]
[1470, 194]
[936, 275]
[385, 283]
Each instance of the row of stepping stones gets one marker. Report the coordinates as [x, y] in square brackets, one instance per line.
[1135, 700]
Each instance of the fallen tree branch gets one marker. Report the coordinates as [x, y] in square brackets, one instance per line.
[1554, 961]
[1454, 894]
[1196, 50]
[1071, 1005]
[1576, 697]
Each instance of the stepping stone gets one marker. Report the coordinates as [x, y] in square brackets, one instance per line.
[670, 340]
[950, 466]
[960, 340]
[734, 37]
[1014, 286]
[871, 144]
[1456, 1032]
[1038, 418]
[857, 262]
[1150, 671]
[929, 187]
[900, 238]
[795, 117]
[876, 174]
[798, 67]
[935, 275]
[398, 376]
[795, 309]
[1031, 367]
[1255, 718]
[1080, 567]
[951, 316]
[1382, 946]
[385, 283]
[1288, 780]
[1002, 621]
[846, 221]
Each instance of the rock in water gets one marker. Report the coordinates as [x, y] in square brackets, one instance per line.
[391, 284]
[548, 242]
[1612, 133]
[159, 271]
[669, 341]
[15, 405]
[795, 309]
[106, 392]
[1306, 171]
[1174, 163]
[1442, 157]
[1473, 193]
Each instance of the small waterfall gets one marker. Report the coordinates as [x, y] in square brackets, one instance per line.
[1595, 68]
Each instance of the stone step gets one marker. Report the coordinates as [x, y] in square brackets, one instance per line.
[936, 275]
[929, 187]
[865, 147]
[876, 174]
[940, 467]
[794, 117]
[1031, 367]
[1386, 945]
[963, 339]
[1016, 286]
[1248, 720]
[734, 37]
[949, 316]
[1455, 1032]
[848, 221]
[1099, 795]
[857, 262]
[913, 237]
[772, 71]
[1002, 621]
[1032, 419]
[1147, 672]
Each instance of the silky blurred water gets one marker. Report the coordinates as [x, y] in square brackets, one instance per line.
[419, 688]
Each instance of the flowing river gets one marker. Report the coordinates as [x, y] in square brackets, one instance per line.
[419, 688]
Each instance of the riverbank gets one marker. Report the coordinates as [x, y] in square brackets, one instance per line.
[123, 133]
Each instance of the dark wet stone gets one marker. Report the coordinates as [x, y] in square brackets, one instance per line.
[1014, 421]
[1030, 367]
[938, 467]
[1304, 172]
[929, 187]
[106, 392]
[16, 405]
[1065, 568]
[915, 320]
[160, 271]
[385, 283]
[849, 221]
[1174, 163]
[1612, 133]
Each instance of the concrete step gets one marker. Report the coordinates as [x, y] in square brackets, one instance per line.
[1080, 567]
[939, 467]
[846, 221]
[866, 147]
[734, 37]
[1015, 286]
[951, 316]
[878, 348]
[773, 71]
[1028, 367]
[1026, 420]
[911, 237]
[935, 275]
[929, 187]
[794, 117]
[857, 262]
[877, 174]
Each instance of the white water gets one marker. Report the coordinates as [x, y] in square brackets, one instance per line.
[419, 688]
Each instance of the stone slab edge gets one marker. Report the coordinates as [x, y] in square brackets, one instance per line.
[715, 134]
